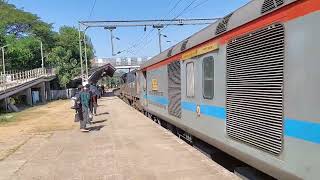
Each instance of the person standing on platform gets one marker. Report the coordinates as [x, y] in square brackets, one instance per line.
[94, 99]
[77, 105]
[100, 92]
[85, 102]
[102, 89]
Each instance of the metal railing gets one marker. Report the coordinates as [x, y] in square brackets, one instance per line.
[14, 78]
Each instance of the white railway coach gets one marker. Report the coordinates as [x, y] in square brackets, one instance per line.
[247, 84]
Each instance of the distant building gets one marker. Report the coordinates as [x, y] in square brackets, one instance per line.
[120, 61]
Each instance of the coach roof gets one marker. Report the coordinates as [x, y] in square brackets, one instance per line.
[247, 13]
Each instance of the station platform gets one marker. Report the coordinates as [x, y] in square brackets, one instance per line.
[122, 144]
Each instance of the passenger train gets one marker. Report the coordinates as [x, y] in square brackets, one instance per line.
[247, 84]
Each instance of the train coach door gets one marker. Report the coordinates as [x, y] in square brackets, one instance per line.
[208, 97]
[191, 83]
[144, 88]
[174, 89]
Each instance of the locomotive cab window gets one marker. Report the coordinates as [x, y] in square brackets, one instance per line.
[208, 77]
[190, 79]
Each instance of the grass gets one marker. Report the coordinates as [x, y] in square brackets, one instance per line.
[14, 116]
[7, 117]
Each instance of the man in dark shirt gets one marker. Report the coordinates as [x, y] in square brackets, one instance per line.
[102, 90]
[85, 105]
[94, 98]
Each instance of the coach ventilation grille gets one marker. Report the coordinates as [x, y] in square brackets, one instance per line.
[169, 54]
[174, 89]
[223, 25]
[254, 88]
[184, 45]
[269, 5]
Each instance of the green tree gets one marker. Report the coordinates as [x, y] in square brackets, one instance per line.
[23, 53]
[68, 38]
[66, 66]
[114, 81]
[66, 57]
[24, 31]
[20, 23]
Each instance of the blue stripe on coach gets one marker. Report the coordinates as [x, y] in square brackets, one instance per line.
[158, 99]
[209, 110]
[308, 131]
[189, 106]
[299, 129]
[214, 111]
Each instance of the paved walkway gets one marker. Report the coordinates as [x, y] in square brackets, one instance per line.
[123, 144]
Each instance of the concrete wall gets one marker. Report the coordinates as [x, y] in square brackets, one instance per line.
[62, 94]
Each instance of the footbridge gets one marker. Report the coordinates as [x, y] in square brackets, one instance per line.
[22, 83]
[35, 86]
[96, 73]
[128, 63]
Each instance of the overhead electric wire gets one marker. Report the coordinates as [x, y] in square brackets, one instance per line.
[147, 42]
[174, 7]
[199, 4]
[93, 6]
[138, 42]
[177, 16]
[141, 40]
[186, 8]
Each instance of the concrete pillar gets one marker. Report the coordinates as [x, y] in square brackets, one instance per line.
[29, 96]
[48, 91]
[43, 92]
[2, 104]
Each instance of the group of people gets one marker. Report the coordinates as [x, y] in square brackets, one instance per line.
[86, 104]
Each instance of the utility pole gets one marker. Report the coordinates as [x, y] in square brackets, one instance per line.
[85, 55]
[112, 44]
[80, 53]
[111, 28]
[5, 76]
[159, 35]
[111, 40]
[3, 63]
[42, 60]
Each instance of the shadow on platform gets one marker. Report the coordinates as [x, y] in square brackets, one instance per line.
[104, 113]
[100, 121]
[108, 94]
[95, 128]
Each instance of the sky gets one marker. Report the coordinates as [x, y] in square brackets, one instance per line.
[134, 41]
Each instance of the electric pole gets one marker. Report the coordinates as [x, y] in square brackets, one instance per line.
[159, 27]
[42, 60]
[80, 53]
[85, 56]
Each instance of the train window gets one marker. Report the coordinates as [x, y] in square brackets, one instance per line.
[190, 79]
[208, 77]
